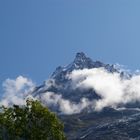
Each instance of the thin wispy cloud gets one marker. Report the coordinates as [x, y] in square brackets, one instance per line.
[64, 105]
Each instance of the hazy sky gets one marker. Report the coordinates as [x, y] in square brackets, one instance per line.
[38, 35]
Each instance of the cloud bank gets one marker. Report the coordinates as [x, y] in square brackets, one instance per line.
[112, 89]
[18, 90]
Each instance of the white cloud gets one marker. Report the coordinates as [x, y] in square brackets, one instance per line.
[110, 86]
[16, 91]
[112, 89]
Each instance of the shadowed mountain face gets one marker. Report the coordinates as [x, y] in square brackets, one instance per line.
[108, 124]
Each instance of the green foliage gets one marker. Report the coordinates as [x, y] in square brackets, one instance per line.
[31, 122]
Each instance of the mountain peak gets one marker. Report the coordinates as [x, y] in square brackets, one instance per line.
[80, 55]
[81, 59]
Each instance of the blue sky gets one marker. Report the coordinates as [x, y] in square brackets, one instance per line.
[36, 36]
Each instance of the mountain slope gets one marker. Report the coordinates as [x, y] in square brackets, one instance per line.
[75, 106]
